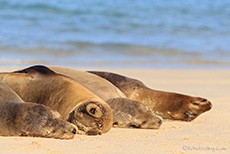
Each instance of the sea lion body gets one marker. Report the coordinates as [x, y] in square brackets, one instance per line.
[166, 104]
[99, 86]
[74, 102]
[126, 112]
[18, 118]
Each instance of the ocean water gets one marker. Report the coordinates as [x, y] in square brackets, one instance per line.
[121, 33]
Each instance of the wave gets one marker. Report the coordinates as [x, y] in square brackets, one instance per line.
[71, 48]
[134, 50]
[109, 54]
[195, 63]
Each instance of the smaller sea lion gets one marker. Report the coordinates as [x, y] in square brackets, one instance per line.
[18, 118]
[132, 114]
[168, 105]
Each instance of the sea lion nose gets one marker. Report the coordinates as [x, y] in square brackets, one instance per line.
[74, 131]
[209, 105]
[205, 104]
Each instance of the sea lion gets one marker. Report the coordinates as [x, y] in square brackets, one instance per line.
[18, 118]
[74, 102]
[99, 86]
[126, 112]
[168, 105]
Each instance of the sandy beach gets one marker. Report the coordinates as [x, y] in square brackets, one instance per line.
[209, 133]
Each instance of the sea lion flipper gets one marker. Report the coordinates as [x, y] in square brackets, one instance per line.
[36, 69]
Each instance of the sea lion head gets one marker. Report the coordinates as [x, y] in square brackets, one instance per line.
[40, 121]
[92, 117]
[186, 108]
[146, 121]
[129, 113]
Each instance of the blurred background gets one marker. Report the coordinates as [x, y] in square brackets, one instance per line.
[116, 33]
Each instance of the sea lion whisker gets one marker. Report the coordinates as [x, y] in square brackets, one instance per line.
[99, 124]
[80, 125]
[134, 125]
[48, 133]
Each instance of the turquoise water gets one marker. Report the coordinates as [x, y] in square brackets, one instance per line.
[107, 33]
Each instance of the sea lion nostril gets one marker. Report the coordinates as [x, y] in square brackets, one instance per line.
[92, 110]
[204, 100]
[74, 131]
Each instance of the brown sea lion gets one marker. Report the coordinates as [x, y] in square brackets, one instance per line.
[99, 86]
[74, 102]
[126, 113]
[166, 104]
[18, 118]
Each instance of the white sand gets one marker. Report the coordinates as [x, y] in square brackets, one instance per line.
[209, 133]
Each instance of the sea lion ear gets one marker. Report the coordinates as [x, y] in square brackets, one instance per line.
[36, 69]
[93, 110]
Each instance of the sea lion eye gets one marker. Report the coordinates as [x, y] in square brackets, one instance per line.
[74, 131]
[92, 110]
[79, 109]
[195, 103]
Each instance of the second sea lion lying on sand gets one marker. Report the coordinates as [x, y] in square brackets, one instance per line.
[168, 105]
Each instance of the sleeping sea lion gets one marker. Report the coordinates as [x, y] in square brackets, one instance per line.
[18, 118]
[168, 105]
[99, 86]
[126, 112]
[74, 102]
